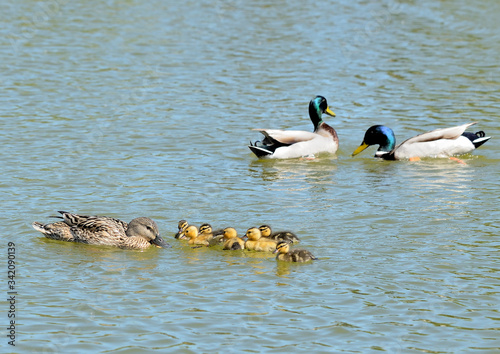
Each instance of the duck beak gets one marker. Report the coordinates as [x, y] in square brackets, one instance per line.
[360, 148]
[276, 251]
[158, 242]
[329, 112]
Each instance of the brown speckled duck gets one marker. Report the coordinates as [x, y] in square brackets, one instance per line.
[287, 255]
[278, 236]
[255, 241]
[140, 233]
[231, 240]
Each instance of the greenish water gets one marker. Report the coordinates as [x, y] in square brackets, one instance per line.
[139, 108]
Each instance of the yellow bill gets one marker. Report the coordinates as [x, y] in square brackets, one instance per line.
[360, 148]
[329, 112]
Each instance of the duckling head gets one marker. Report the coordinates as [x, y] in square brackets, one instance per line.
[182, 225]
[191, 232]
[147, 229]
[230, 232]
[265, 230]
[253, 234]
[282, 247]
[205, 229]
[378, 135]
[317, 107]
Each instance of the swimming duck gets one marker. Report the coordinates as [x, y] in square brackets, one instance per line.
[214, 237]
[266, 231]
[437, 143]
[182, 226]
[287, 255]
[140, 233]
[255, 241]
[231, 240]
[195, 238]
[286, 144]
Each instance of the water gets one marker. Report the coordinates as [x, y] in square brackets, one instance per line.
[145, 108]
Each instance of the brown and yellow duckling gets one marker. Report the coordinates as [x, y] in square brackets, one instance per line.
[195, 238]
[182, 226]
[289, 236]
[287, 255]
[231, 240]
[214, 237]
[255, 241]
[140, 233]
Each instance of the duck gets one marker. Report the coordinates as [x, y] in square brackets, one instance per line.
[182, 226]
[231, 240]
[289, 236]
[195, 238]
[298, 255]
[139, 233]
[255, 241]
[445, 142]
[288, 144]
[214, 237]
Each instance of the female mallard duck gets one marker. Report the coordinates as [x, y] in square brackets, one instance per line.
[266, 231]
[286, 144]
[140, 233]
[437, 143]
[231, 240]
[284, 253]
[195, 238]
[182, 226]
[255, 241]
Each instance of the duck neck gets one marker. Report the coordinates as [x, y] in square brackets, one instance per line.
[315, 115]
[387, 140]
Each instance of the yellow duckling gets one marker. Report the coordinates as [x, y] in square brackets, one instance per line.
[195, 238]
[231, 240]
[255, 241]
[287, 255]
[182, 226]
[289, 236]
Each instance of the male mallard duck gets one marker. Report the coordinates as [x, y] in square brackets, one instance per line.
[255, 241]
[231, 240]
[140, 233]
[266, 231]
[195, 238]
[284, 253]
[182, 226]
[437, 143]
[286, 144]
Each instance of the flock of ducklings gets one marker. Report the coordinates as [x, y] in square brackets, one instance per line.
[260, 239]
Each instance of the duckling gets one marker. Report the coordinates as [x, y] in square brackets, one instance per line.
[183, 224]
[195, 238]
[284, 253]
[287, 144]
[289, 236]
[231, 240]
[256, 243]
[437, 143]
[214, 237]
[140, 233]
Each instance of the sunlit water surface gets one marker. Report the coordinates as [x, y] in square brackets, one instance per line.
[145, 108]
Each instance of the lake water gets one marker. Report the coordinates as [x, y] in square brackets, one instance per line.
[144, 108]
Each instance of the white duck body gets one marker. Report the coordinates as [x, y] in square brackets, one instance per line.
[444, 142]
